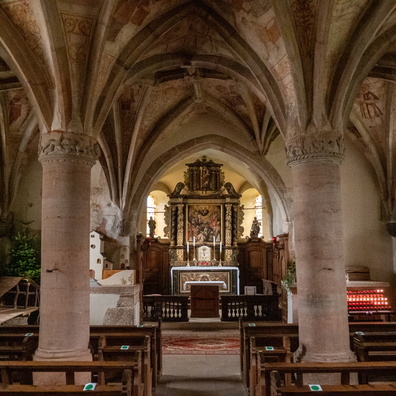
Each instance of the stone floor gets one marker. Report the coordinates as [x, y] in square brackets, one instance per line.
[201, 375]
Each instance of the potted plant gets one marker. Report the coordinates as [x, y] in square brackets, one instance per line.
[289, 278]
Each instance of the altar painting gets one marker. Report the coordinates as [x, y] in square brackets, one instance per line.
[204, 223]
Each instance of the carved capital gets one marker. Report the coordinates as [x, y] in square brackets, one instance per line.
[315, 145]
[61, 146]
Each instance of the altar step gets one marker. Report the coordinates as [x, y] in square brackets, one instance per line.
[208, 324]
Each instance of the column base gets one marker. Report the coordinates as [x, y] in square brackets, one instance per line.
[301, 355]
[325, 378]
[83, 355]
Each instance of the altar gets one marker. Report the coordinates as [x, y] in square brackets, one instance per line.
[226, 278]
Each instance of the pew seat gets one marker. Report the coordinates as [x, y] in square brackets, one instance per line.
[341, 369]
[278, 388]
[24, 370]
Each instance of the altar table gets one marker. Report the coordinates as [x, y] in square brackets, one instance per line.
[227, 278]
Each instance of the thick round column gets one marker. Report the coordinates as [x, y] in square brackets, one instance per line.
[67, 160]
[321, 283]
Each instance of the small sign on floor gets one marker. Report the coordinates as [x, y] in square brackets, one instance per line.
[90, 386]
[315, 388]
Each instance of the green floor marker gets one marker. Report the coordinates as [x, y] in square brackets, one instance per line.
[315, 388]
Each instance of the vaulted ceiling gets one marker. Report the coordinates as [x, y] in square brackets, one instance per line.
[136, 74]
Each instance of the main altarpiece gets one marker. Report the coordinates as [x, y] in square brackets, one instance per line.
[203, 239]
[204, 220]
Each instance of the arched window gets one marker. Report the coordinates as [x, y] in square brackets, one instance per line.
[151, 206]
[259, 212]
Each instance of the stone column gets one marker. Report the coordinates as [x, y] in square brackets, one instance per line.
[67, 159]
[321, 286]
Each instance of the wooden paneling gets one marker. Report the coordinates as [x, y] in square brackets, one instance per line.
[156, 269]
[255, 263]
[204, 301]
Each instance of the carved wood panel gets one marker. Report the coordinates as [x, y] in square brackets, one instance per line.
[156, 269]
[255, 262]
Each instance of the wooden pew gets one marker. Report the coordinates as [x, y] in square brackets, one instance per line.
[278, 388]
[96, 330]
[18, 346]
[263, 330]
[375, 346]
[343, 369]
[153, 330]
[274, 334]
[272, 348]
[130, 338]
[118, 347]
[11, 369]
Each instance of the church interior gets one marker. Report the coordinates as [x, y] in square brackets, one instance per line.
[171, 163]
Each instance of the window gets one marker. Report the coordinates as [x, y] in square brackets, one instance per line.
[151, 206]
[259, 213]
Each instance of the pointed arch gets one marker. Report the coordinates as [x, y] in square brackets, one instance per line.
[262, 170]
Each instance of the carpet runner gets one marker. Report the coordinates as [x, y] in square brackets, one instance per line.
[195, 345]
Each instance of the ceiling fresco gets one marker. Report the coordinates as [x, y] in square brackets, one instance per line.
[133, 74]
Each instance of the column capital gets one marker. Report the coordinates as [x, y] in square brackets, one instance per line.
[61, 146]
[315, 145]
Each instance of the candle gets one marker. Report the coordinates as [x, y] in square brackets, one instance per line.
[221, 246]
[194, 242]
[188, 247]
[214, 241]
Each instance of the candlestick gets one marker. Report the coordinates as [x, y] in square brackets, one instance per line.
[194, 259]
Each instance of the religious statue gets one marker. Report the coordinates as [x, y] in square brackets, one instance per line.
[255, 229]
[151, 224]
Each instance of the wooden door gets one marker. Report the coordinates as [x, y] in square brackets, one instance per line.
[156, 269]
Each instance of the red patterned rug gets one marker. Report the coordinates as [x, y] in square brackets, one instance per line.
[183, 345]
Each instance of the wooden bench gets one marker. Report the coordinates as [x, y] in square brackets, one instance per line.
[11, 369]
[113, 348]
[375, 346]
[18, 346]
[278, 388]
[272, 348]
[96, 330]
[297, 371]
[136, 338]
[261, 331]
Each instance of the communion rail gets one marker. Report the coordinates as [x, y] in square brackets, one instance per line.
[167, 308]
[250, 307]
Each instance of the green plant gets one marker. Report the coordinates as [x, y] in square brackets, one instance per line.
[25, 255]
[290, 277]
